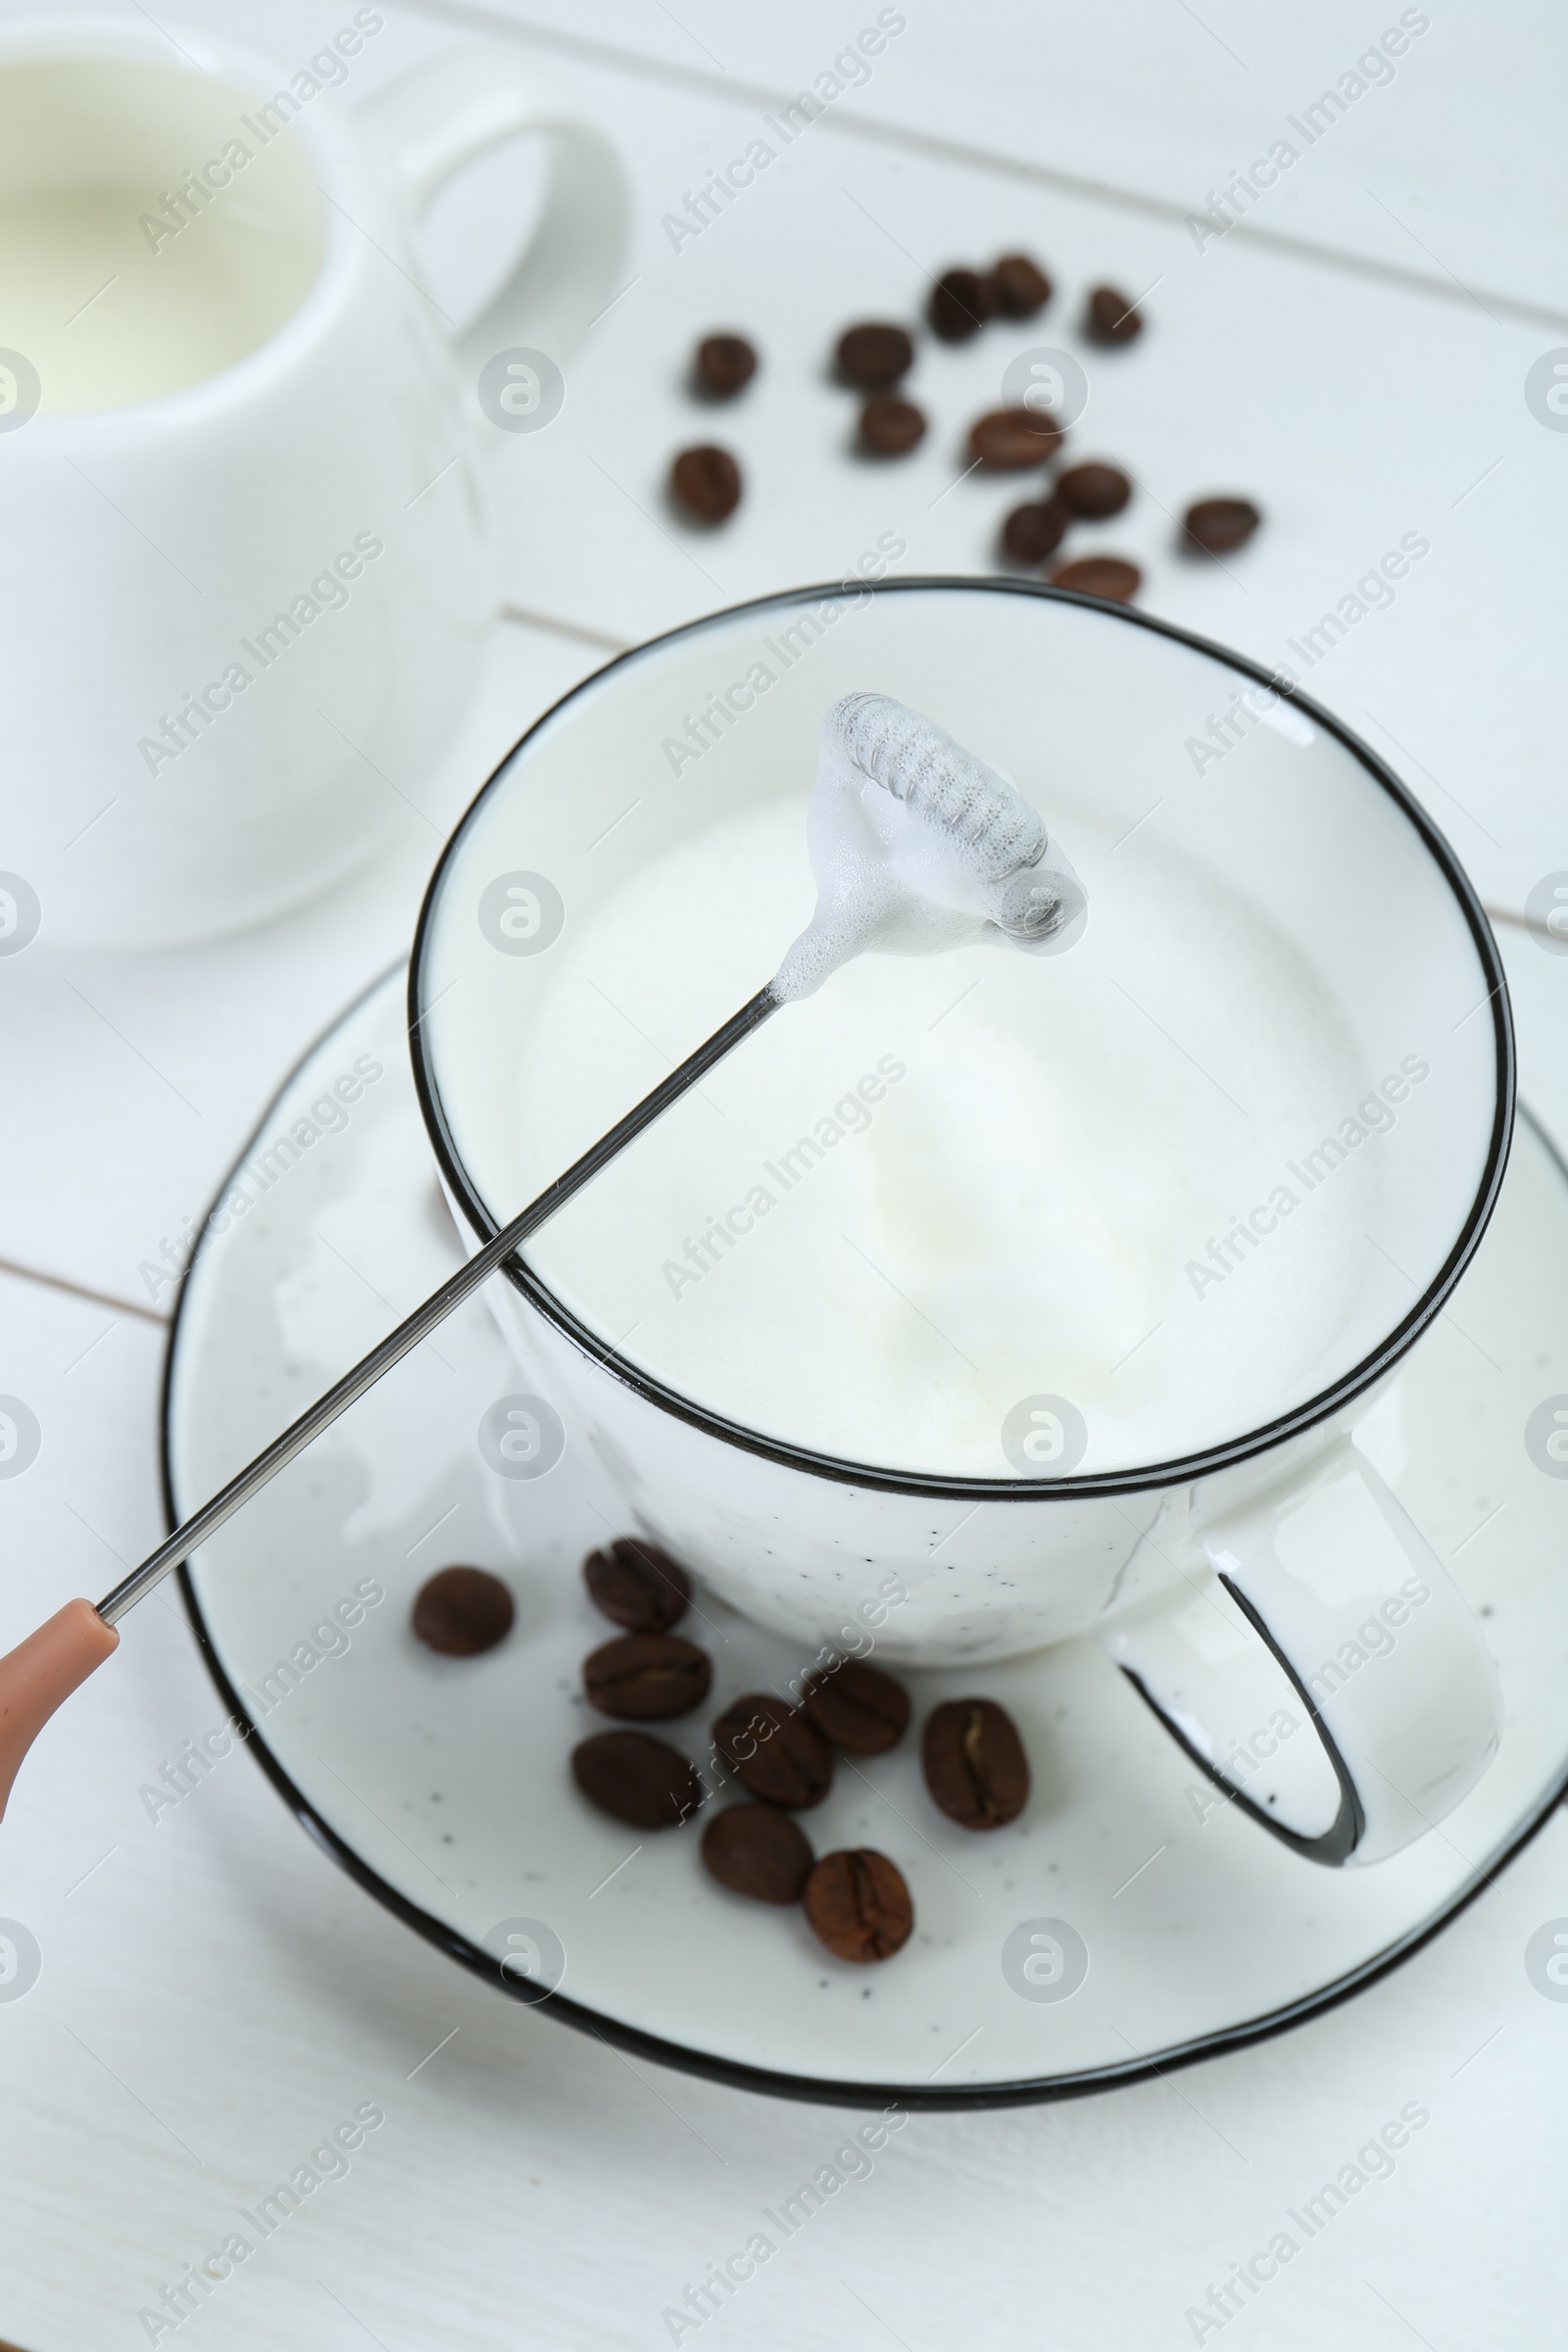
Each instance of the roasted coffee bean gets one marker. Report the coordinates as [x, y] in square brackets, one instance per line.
[643, 1678]
[1008, 438]
[1019, 286]
[1093, 491]
[708, 484]
[874, 356]
[1217, 524]
[857, 1707]
[723, 364]
[1109, 576]
[961, 304]
[636, 1777]
[890, 427]
[858, 1905]
[637, 1586]
[1033, 532]
[1110, 317]
[774, 1751]
[974, 1763]
[462, 1611]
[758, 1850]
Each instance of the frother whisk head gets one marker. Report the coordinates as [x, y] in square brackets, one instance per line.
[917, 845]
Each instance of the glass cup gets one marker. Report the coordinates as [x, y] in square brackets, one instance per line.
[1287, 1002]
[250, 565]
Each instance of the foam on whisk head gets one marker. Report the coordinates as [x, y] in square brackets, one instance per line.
[918, 845]
[920, 764]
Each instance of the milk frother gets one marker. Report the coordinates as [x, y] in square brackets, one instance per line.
[916, 846]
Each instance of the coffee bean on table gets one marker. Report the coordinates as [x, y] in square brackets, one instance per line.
[1093, 491]
[1019, 286]
[1217, 524]
[723, 364]
[758, 1850]
[462, 1611]
[637, 1777]
[637, 1586]
[890, 427]
[1033, 532]
[962, 301]
[1110, 317]
[873, 355]
[974, 1763]
[1109, 576]
[857, 1707]
[1009, 438]
[643, 1678]
[707, 482]
[857, 1904]
[774, 1754]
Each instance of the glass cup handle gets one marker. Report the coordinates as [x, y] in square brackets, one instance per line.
[434, 120]
[1381, 1651]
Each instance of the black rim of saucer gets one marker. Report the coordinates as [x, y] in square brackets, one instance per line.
[950, 1488]
[737, 2074]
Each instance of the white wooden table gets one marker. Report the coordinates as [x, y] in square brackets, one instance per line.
[215, 1997]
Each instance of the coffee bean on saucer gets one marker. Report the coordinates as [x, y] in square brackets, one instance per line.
[643, 1678]
[1093, 491]
[874, 356]
[1109, 576]
[1019, 286]
[723, 364]
[974, 1763]
[636, 1777]
[758, 1850]
[774, 1754]
[637, 1586]
[462, 1611]
[857, 1904]
[1034, 531]
[960, 302]
[890, 427]
[708, 484]
[857, 1707]
[1009, 438]
[1217, 524]
[1110, 317]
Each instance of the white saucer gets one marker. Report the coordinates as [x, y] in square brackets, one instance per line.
[442, 1785]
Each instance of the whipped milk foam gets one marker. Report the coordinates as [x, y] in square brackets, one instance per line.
[918, 846]
[937, 1188]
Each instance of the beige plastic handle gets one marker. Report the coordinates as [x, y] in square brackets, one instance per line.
[40, 1674]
